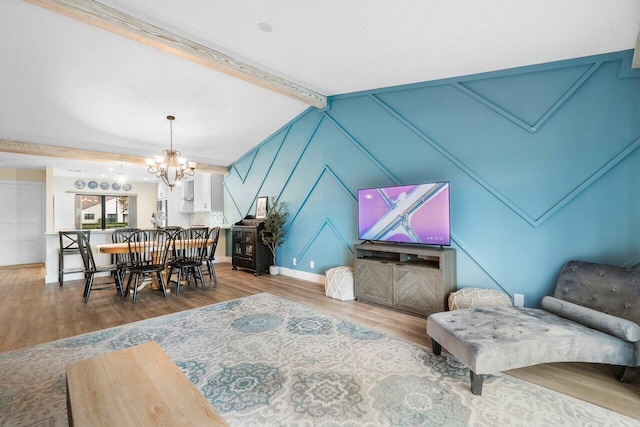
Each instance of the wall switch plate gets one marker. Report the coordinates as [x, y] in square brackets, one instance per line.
[312, 264]
[295, 261]
[518, 300]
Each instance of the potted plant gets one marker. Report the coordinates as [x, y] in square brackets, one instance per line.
[273, 233]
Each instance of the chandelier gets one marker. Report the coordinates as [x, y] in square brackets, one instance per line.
[121, 177]
[171, 168]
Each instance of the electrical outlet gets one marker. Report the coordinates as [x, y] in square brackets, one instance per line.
[312, 264]
[295, 261]
[518, 300]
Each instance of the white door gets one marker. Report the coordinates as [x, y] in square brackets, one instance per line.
[8, 214]
[21, 222]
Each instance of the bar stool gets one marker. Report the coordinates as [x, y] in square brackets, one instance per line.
[69, 246]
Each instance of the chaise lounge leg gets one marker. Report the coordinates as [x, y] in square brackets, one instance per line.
[476, 383]
[476, 380]
[627, 374]
[436, 347]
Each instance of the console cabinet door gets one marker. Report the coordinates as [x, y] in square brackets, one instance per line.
[248, 242]
[416, 289]
[374, 281]
[237, 243]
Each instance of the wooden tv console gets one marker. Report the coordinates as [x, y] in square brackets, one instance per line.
[412, 278]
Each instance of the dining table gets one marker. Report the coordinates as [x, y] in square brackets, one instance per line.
[123, 248]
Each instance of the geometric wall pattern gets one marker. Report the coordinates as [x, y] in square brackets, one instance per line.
[543, 163]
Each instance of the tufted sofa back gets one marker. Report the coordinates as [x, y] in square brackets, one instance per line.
[609, 289]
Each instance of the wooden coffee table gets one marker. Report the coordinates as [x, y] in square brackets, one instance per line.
[140, 386]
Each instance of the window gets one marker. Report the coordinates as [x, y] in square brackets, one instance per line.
[100, 212]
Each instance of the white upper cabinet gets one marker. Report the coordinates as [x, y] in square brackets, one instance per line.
[163, 189]
[216, 192]
[202, 192]
[196, 194]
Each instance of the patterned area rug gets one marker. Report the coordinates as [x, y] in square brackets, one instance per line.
[265, 361]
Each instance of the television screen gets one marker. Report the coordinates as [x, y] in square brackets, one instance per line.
[406, 213]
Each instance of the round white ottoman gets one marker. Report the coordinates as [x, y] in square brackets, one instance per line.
[478, 297]
[339, 283]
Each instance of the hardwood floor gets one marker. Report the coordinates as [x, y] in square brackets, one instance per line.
[32, 312]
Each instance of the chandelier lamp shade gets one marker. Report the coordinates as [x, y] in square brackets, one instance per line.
[171, 168]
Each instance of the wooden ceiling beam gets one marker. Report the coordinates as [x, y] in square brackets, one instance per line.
[106, 18]
[32, 149]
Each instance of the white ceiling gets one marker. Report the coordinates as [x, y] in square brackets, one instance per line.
[66, 83]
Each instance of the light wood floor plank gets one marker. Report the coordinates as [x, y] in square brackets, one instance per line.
[32, 312]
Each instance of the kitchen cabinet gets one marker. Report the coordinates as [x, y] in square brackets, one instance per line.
[217, 187]
[163, 190]
[196, 194]
[202, 192]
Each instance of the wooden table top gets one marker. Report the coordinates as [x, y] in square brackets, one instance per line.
[123, 248]
[113, 248]
[140, 386]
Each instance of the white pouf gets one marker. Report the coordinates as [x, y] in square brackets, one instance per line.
[339, 283]
[478, 297]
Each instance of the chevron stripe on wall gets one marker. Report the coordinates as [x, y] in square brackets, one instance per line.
[543, 163]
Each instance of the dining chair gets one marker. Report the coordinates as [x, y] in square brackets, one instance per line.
[204, 232]
[190, 248]
[200, 230]
[148, 251]
[122, 235]
[69, 246]
[214, 235]
[173, 230]
[91, 269]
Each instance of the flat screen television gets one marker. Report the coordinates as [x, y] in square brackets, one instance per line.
[405, 213]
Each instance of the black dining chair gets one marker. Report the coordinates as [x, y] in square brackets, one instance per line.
[199, 228]
[69, 246]
[214, 235]
[190, 248]
[122, 235]
[148, 251]
[91, 269]
[173, 230]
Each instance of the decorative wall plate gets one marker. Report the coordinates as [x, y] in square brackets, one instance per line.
[93, 185]
[104, 185]
[79, 184]
[126, 187]
[115, 186]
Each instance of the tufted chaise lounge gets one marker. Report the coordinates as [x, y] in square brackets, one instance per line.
[593, 317]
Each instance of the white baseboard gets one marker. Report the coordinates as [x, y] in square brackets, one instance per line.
[297, 274]
[310, 277]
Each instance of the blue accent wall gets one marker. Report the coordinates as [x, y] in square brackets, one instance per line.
[543, 163]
